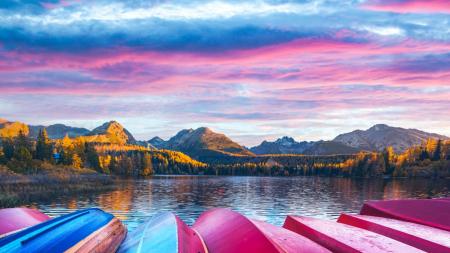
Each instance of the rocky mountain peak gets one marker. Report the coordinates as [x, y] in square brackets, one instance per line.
[114, 132]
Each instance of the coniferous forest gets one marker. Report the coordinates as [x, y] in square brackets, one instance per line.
[23, 155]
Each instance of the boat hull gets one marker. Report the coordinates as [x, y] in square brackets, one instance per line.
[164, 232]
[429, 212]
[13, 219]
[226, 231]
[288, 241]
[89, 230]
[344, 238]
[420, 236]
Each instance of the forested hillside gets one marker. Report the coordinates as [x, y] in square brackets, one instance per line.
[111, 149]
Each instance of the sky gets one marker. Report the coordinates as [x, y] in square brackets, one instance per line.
[253, 70]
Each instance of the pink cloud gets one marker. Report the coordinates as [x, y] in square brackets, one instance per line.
[409, 6]
[301, 63]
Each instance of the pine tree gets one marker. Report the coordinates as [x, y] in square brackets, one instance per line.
[21, 141]
[389, 156]
[22, 154]
[8, 148]
[92, 157]
[43, 146]
[437, 151]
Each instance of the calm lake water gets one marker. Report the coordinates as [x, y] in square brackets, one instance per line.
[264, 198]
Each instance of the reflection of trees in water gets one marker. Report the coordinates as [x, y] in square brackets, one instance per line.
[118, 201]
[196, 191]
[417, 188]
[265, 198]
[72, 203]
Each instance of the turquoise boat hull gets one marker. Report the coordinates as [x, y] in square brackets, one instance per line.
[166, 233]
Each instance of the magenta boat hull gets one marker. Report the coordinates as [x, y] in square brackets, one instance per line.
[288, 241]
[13, 219]
[429, 212]
[339, 237]
[226, 231]
[420, 236]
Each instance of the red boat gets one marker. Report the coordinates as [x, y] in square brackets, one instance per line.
[225, 231]
[430, 212]
[13, 219]
[420, 236]
[339, 237]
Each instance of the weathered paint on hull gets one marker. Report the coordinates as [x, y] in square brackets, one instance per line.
[288, 241]
[225, 231]
[420, 236]
[344, 238]
[429, 212]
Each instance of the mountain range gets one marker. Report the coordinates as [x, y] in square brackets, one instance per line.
[284, 145]
[111, 132]
[381, 136]
[201, 143]
[57, 131]
[376, 138]
[204, 144]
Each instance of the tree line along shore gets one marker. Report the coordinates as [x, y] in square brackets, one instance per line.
[21, 155]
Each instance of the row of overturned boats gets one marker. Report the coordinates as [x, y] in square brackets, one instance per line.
[381, 226]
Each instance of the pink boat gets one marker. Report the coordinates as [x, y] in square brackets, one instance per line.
[13, 219]
[339, 237]
[286, 240]
[429, 212]
[225, 231]
[420, 236]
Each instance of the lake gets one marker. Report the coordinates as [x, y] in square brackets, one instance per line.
[264, 198]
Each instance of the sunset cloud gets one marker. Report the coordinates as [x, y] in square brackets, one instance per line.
[247, 68]
[409, 6]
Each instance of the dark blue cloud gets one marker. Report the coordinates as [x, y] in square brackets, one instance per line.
[24, 25]
[26, 6]
[164, 36]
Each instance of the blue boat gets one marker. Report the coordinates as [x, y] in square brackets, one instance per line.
[89, 230]
[166, 233]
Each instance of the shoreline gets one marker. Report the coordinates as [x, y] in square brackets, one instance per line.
[21, 189]
[16, 190]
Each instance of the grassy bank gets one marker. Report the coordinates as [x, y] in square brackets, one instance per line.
[18, 189]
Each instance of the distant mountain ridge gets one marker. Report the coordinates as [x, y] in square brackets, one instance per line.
[111, 132]
[157, 142]
[380, 136]
[287, 145]
[284, 145]
[330, 148]
[57, 131]
[203, 142]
